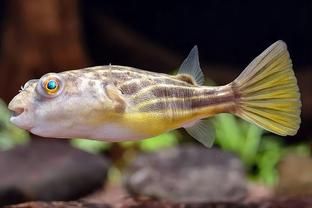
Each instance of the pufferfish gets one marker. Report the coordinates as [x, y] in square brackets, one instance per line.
[120, 103]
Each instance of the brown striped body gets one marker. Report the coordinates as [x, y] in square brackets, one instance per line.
[167, 101]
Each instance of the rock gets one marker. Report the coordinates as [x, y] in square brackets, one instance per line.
[190, 174]
[73, 204]
[297, 202]
[49, 170]
[114, 195]
[152, 203]
[145, 202]
[258, 192]
[295, 176]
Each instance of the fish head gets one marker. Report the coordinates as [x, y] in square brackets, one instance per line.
[60, 105]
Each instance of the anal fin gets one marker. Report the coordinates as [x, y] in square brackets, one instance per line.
[202, 131]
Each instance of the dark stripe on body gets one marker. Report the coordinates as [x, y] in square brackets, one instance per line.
[169, 91]
[185, 104]
[120, 75]
[133, 87]
[153, 91]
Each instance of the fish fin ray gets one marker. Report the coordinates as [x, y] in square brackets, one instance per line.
[191, 66]
[202, 131]
[268, 94]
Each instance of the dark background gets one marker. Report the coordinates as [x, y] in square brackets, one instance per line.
[227, 32]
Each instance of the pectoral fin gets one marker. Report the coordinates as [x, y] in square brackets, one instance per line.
[202, 131]
[113, 93]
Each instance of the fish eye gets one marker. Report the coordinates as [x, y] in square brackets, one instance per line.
[50, 85]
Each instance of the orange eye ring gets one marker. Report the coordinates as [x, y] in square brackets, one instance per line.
[51, 86]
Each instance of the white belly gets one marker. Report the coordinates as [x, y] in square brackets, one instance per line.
[106, 132]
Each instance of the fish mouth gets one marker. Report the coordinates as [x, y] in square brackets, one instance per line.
[17, 112]
[19, 118]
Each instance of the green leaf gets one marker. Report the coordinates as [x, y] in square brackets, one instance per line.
[10, 135]
[251, 144]
[228, 132]
[91, 146]
[159, 142]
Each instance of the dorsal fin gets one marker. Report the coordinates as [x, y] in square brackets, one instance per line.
[191, 67]
[186, 78]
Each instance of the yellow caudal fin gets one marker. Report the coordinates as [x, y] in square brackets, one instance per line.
[267, 92]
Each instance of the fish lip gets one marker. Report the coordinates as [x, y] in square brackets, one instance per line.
[17, 112]
[17, 117]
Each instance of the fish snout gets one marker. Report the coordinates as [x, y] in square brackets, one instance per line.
[16, 106]
[20, 113]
